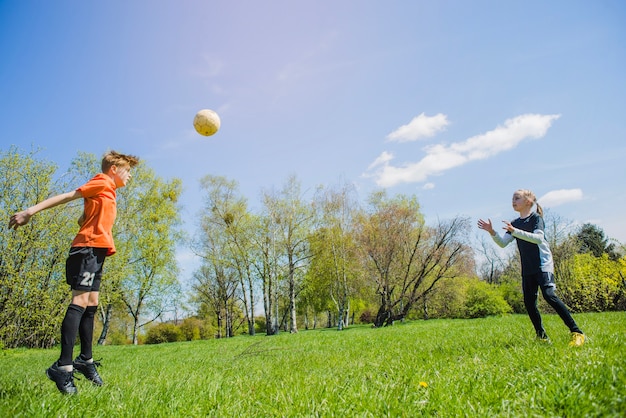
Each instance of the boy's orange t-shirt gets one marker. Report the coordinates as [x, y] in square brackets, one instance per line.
[100, 212]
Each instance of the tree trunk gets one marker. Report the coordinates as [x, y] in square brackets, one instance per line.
[251, 327]
[135, 331]
[292, 300]
[219, 324]
[383, 317]
[340, 318]
[267, 306]
[106, 321]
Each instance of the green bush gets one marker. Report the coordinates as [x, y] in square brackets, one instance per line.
[513, 295]
[118, 338]
[448, 299]
[484, 300]
[164, 333]
[260, 324]
[191, 329]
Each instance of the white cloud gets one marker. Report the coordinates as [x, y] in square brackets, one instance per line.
[382, 159]
[421, 126]
[560, 197]
[429, 186]
[440, 157]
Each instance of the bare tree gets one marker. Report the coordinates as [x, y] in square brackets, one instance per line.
[493, 260]
[405, 257]
[226, 211]
[265, 265]
[293, 220]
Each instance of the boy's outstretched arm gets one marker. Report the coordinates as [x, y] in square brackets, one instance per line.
[22, 218]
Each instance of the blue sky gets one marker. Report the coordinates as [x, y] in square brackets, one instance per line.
[457, 102]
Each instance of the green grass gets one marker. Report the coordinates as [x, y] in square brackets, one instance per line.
[484, 367]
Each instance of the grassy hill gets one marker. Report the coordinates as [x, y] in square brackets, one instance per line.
[483, 367]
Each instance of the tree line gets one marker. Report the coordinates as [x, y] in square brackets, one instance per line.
[328, 260]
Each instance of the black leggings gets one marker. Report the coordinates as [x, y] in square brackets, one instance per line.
[545, 281]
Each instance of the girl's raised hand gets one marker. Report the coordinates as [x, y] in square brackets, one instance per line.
[486, 226]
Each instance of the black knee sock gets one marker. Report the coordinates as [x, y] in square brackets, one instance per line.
[85, 331]
[69, 329]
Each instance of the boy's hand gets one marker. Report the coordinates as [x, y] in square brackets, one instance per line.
[19, 219]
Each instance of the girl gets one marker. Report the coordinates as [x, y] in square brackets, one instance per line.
[537, 265]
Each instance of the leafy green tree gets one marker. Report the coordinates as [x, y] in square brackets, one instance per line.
[146, 236]
[33, 292]
[598, 283]
[334, 263]
[591, 239]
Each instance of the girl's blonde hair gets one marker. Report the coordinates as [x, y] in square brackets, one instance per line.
[531, 196]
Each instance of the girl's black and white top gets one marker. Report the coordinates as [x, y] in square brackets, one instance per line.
[533, 248]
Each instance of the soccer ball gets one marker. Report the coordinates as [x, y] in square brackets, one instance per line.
[206, 122]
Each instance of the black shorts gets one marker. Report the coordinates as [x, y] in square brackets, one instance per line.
[83, 268]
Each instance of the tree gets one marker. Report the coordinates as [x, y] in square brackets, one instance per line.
[265, 264]
[591, 239]
[215, 287]
[493, 262]
[146, 236]
[227, 213]
[33, 292]
[405, 257]
[598, 285]
[293, 220]
[334, 265]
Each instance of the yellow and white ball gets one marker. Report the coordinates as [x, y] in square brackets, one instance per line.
[206, 122]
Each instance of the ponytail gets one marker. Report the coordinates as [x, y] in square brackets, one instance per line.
[539, 209]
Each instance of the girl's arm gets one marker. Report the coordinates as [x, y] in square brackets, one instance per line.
[22, 218]
[502, 241]
[536, 237]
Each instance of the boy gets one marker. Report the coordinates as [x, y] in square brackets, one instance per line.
[83, 268]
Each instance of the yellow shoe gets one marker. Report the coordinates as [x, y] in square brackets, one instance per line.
[577, 340]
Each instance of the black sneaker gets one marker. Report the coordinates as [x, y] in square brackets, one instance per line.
[89, 370]
[63, 379]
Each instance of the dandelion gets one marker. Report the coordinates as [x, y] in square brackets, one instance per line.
[424, 384]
